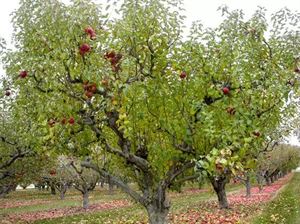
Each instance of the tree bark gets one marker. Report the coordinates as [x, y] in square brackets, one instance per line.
[248, 186]
[219, 187]
[53, 192]
[62, 195]
[85, 202]
[259, 179]
[157, 215]
[268, 181]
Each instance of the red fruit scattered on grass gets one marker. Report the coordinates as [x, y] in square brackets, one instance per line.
[84, 48]
[71, 120]
[226, 90]
[23, 74]
[183, 75]
[89, 31]
[7, 93]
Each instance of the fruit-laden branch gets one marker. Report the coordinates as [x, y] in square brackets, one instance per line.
[136, 196]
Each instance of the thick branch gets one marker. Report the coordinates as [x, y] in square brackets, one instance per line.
[136, 196]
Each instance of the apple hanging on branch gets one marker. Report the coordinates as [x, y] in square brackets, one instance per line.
[90, 32]
[23, 74]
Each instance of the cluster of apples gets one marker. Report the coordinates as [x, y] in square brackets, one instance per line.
[86, 48]
[89, 88]
[64, 121]
[114, 59]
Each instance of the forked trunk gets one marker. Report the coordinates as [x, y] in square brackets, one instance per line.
[219, 187]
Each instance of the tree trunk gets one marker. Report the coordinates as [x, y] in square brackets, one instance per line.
[268, 181]
[157, 215]
[53, 192]
[259, 179]
[62, 195]
[110, 186]
[248, 185]
[219, 187]
[85, 202]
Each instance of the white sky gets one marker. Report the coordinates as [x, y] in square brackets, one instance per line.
[203, 10]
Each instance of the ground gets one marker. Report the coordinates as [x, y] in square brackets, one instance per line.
[191, 206]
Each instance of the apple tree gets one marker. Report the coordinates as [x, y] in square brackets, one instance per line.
[248, 81]
[133, 88]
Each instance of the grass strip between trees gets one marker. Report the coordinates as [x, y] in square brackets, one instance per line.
[284, 209]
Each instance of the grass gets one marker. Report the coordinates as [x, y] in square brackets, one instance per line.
[181, 203]
[284, 209]
[133, 213]
[44, 202]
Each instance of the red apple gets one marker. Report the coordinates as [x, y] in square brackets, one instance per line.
[89, 94]
[89, 31]
[93, 88]
[226, 90]
[183, 75]
[7, 93]
[84, 48]
[71, 120]
[23, 74]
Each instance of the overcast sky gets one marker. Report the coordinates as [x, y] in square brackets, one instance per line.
[203, 10]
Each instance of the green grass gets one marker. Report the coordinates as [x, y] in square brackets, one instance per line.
[285, 208]
[136, 213]
[130, 214]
